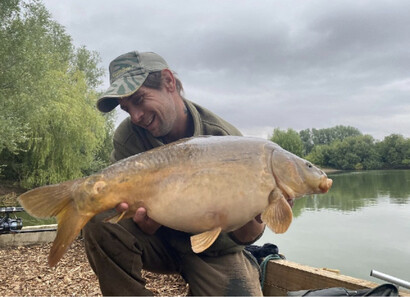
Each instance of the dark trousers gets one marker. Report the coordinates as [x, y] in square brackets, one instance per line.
[118, 252]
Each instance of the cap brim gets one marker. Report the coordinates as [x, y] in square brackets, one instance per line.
[107, 104]
[122, 87]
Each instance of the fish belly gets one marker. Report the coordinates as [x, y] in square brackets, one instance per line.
[197, 199]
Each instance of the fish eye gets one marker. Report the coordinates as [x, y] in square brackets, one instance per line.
[309, 165]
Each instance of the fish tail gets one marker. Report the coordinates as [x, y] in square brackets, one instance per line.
[47, 201]
[56, 201]
[70, 223]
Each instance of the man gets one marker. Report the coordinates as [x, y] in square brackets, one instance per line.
[144, 87]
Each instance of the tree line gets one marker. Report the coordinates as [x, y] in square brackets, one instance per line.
[345, 148]
[50, 130]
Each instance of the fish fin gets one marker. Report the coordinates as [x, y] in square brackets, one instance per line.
[47, 201]
[200, 242]
[116, 218]
[70, 223]
[278, 215]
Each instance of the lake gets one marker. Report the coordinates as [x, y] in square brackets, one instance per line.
[362, 223]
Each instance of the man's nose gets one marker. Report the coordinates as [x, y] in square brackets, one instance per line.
[136, 115]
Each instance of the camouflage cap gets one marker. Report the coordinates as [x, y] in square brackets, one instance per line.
[127, 74]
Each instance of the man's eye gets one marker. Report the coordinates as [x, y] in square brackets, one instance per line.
[137, 100]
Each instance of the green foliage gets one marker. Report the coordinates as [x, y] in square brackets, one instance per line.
[346, 148]
[320, 155]
[50, 130]
[314, 137]
[307, 140]
[87, 62]
[395, 151]
[354, 153]
[11, 132]
[102, 155]
[288, 140]
[362, 152]
[68, 131]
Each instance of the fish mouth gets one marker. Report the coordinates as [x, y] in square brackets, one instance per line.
[325, 185]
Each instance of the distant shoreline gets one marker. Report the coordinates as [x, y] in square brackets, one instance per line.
[331, 170]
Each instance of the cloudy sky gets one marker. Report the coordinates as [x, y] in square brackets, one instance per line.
[266, 64]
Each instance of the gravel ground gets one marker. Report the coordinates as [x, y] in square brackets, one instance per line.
[24, 271]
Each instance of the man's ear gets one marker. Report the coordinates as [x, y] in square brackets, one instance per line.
[168, 80]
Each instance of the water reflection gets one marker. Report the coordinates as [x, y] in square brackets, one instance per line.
[354, 190]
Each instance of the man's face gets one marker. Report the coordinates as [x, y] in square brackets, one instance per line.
[153, 110]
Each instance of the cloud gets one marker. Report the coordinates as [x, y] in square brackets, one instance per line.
[290, 64]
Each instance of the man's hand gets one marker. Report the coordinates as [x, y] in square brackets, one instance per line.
[250, 231]
[146, 224]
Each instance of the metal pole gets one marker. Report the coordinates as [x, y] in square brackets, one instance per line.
[391, 279]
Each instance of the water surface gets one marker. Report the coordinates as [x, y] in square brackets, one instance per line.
[363, 223]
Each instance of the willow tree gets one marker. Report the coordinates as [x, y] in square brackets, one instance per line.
[47, 92]
[12, 131]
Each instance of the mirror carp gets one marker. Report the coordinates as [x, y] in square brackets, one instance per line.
[201, 185]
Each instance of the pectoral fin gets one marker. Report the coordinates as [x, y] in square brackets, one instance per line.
[200, 242]
[115, 219]
[278, 215]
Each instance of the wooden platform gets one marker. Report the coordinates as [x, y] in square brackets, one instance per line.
[283, 276]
